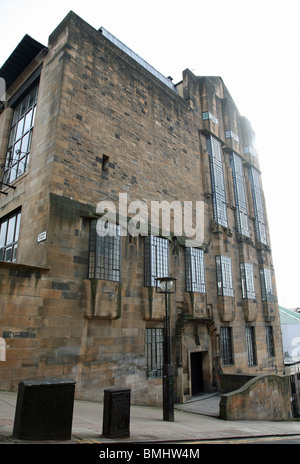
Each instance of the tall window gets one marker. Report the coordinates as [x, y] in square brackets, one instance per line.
[19, 144]
[226, 346]
[154, 352]
[217, 180]
[156, 259]
[9, 236]
[250, 345]
[240, 194]
[105, 251]
[266, 284]
[194, 270]
[257, 195]
[270, 341]
[224, 276]
[247, 280]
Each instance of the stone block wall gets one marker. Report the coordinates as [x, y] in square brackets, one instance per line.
[104, 126]
[266, 397]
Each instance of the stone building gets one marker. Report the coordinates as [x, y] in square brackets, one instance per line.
[85, 120]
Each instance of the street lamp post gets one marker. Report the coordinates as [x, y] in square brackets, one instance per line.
[167, 285]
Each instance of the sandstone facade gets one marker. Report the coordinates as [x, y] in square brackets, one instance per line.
[105, 125]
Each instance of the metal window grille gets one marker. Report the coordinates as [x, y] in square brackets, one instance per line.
[9, 236]
[224, 276]
[250, 150]
[194, 270]
[231, 135]
[266, 285]
[105, 251]
[18, 150]
[156, 259]
[247, 280]
[250, 345]
[257, 195]
[226, 345]
[270, 341]
[217, 180]
[207, 115]
[154, 352]
[240, 194]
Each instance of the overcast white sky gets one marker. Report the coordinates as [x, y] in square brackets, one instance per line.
[252, 44]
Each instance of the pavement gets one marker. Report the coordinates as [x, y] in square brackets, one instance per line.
[195, 421]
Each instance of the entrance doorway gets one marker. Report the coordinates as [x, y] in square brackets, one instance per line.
[196, 373]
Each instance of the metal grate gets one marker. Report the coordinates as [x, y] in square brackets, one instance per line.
[226, 345]
[247, 280]
[154, 352]
[217, 180]
[257, 195]
[195, 270]
[266, 284]
[250, 345]
[270, 341]
[105, 251]
[240, 194]
[156, 259]
[207, 115]
[224, 276]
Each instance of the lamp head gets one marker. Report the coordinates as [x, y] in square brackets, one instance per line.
[166, 284]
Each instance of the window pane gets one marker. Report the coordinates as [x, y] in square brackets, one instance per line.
[14, 253]
[16, 115]
[23, 107]
[12, 136]
[30, 99]
[27, 123]
[3, 234]
[16, 152]
[19, 129]
[11, 230]
[21, 167]
[17, 227]
[8, 254]
[33, 116]
[29, 144]
[24, 146]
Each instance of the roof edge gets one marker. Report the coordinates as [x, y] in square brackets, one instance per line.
[24, 53]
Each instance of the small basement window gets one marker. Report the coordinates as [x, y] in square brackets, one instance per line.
[105, 162]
